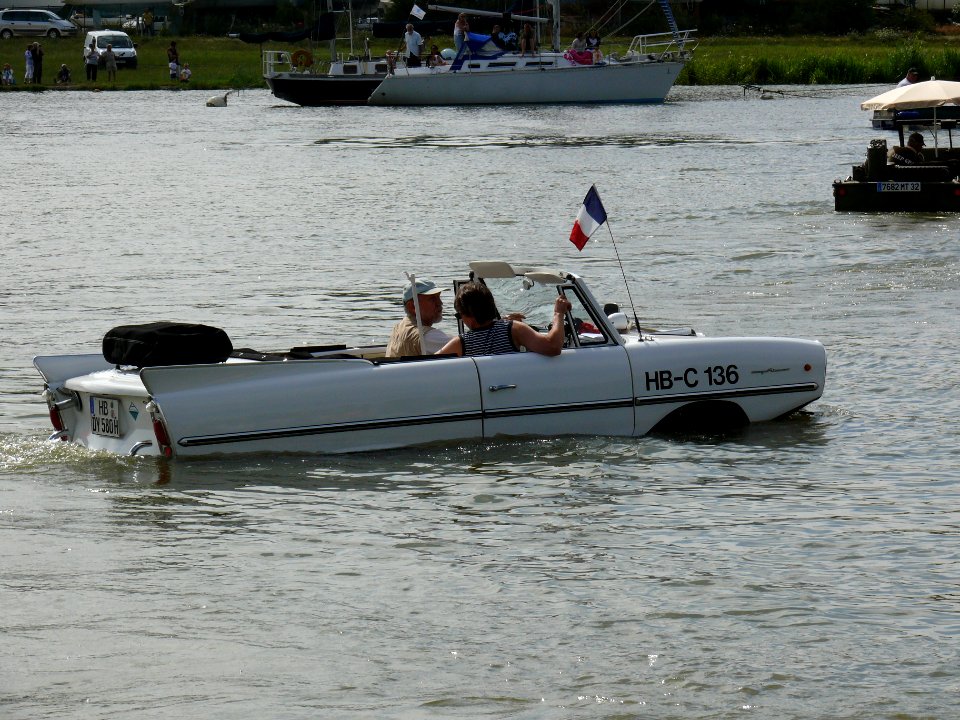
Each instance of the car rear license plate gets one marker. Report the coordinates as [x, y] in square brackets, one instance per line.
[898, 187]
[105, 416]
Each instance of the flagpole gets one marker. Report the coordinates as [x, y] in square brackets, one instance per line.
[629, 296]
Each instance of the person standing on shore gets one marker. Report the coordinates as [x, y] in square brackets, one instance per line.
[37, 63]
[148, 22]
[110, 63]
[28, 60]
[91, 60]
[173, 60]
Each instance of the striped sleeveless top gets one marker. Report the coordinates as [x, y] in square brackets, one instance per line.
[494, 340]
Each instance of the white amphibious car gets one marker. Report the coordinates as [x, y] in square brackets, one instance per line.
[610, 379]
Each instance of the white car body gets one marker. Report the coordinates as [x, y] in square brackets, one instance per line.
[605, 382]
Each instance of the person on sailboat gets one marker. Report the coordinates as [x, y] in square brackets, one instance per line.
[593, 45]
[413, 41]
[460, 29]
[496, 37]
[528, 40]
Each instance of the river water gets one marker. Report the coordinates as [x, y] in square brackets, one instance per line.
[807, 568]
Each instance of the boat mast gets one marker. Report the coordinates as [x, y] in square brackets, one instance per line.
[333, 40]
[555, 8]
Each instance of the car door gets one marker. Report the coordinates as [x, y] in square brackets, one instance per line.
[587, 389]
[582, 391]
[35, 23]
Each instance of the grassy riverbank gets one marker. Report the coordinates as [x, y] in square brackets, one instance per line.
[821, 60]
[228, 63]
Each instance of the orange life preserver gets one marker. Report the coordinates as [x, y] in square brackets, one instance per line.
[301, 58]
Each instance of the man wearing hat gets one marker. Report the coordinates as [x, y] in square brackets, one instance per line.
[912, 77]
[405, 338]
[909, 155]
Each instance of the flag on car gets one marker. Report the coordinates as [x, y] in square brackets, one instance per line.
[591, 216]
[417, 12]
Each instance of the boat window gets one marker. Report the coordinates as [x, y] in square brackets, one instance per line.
[537, 63]
[535, 301]
[474, 65]
[350, 69]
[502, 64]
[380, 68]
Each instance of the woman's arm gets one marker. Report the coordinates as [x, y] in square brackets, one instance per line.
[453, 347]
[548, 343]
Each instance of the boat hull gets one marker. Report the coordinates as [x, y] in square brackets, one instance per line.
[642, 82]
[323, 90]
[351, 405]
[868, 196]
[334, 399]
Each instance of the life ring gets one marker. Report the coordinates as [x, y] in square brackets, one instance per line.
[301, 58]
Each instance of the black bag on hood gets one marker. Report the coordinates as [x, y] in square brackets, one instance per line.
[166, 343]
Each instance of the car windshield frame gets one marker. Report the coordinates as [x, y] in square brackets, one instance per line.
[121, 42]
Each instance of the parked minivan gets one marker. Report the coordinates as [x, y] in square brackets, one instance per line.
[24, 23]
[123, 46]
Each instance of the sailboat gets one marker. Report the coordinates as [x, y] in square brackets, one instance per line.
[484, 74]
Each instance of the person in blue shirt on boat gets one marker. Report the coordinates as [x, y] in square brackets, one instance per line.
[909, 155]
[488, 334]
[413, 42]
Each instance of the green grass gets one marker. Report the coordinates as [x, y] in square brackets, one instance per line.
[820, 60]
[224, 63]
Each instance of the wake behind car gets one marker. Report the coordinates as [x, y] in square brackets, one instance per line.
[182, 391]
[123, 47]
[35, 23]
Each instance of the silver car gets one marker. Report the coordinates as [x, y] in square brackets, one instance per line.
[23, 23]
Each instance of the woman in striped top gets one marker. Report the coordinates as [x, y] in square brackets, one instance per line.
[489, 335]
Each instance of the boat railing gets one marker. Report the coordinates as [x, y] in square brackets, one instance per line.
[285, 61]
[662, 46]
[276, 61]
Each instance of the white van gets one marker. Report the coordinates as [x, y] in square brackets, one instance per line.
[123, 46]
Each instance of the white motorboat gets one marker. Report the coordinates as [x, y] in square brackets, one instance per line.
[611, 378]
[484, 74]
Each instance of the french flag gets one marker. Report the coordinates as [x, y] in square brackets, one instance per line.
[591, 216]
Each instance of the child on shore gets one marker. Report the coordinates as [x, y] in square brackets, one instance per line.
[185, 73]
[7, 77]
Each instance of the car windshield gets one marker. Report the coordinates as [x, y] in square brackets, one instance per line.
[118, 41]
[535, 301]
